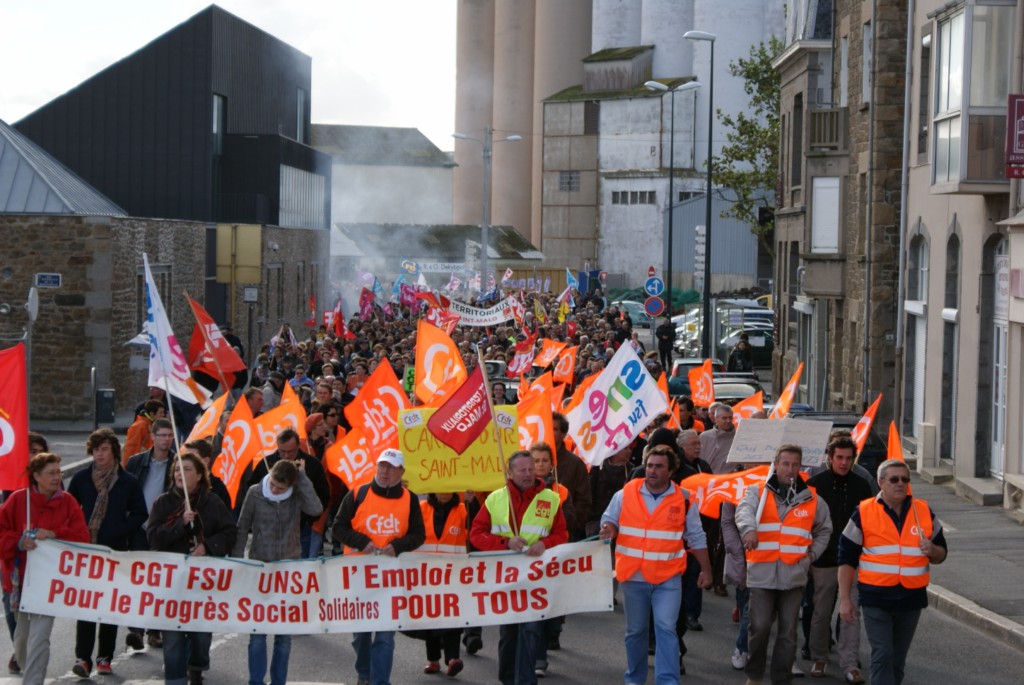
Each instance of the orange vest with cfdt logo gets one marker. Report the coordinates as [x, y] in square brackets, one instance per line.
[453, 539]
[382, 519]
[651, 543]
[788, 540]
[892, 557]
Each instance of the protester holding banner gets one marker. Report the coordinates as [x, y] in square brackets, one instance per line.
[271, 514]
[525, 517]
[892, 585]
[50, 513]
[380, 517]
[199, 526]
[654, 527]
[782, 537]
[115, 508]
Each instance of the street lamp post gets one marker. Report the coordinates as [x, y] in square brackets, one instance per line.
[488, 144]
[657, 85]
[705, 338]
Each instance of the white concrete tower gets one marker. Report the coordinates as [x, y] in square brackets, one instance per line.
[662, 24]
[616, 24]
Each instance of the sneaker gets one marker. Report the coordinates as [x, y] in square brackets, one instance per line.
[473, 643]
[797, 671]
[12, 666]
[134, 640]
[155, 639]
[432, 667]
[739, 659]
[103, 667]
[541, 671]
[82, 668]
[454, 667]
[854, 677]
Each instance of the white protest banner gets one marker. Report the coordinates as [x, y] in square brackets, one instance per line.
[492, 316]
[616, 407]
[346, 594]
[757, 439]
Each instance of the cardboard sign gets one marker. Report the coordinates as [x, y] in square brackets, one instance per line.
[757, 439]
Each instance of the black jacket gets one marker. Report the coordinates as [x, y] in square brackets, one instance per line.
[126, 509]
[842, 494]
[169, 534]
[342, 528]
[138, 466]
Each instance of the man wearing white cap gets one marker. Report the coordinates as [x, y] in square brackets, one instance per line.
[380, 517]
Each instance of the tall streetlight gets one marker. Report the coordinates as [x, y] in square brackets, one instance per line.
[657, 85]
[705, 337]
[487, 143]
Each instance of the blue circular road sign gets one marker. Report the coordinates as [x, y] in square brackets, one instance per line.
[654, 286]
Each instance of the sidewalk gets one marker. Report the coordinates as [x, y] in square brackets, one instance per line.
[981, 583]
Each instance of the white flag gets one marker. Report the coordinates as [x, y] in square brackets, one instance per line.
[167, 366]
[622, 401]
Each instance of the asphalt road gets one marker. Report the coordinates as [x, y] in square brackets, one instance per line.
[944, 651]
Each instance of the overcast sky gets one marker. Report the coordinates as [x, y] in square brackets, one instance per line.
[375, 62]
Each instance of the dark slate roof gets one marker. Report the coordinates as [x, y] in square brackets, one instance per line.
[446, 242]
[33, 182]
[378, 145]
[641, 91]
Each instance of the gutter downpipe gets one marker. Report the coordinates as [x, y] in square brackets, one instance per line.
[868, 214]
[1016, 76]
[904, 189]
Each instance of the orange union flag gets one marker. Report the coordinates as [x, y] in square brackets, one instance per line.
[861, 431]
[534, 418]
[702, 388]
[437, 361]
[549, 350]
[746, 408]
[461, 419]
[785, 400]
[206, 426]
[350, 459]
[566, 366]
[240, 446]
[710, 490]
[13, 418]
[375, 409]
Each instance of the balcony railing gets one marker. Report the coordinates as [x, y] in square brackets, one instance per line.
[827, 129]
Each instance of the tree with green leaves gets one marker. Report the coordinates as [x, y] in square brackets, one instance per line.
[747, 168]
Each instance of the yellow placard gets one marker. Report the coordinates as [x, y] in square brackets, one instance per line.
[432, 466]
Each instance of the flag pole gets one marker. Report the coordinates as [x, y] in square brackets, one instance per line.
[764, 495]
[497, 438]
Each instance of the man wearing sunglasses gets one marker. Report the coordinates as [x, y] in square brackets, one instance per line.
[889, 545]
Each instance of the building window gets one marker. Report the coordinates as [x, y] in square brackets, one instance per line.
[844, 70]
[685, 195]
[948, 99]
[591, 118]
[797, 137]
[924, 80]
[634, 197]
[569, 181]
[219, 117]
[917, 270]
[303, 199]
[866, 64]
[300, 115]
[825, 214]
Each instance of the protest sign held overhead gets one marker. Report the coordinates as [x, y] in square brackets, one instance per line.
[757, 439]
[615, 408]
[460, 420]
[432, 466]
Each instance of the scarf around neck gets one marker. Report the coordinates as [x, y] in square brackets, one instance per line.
[265, 484]
[103, 480]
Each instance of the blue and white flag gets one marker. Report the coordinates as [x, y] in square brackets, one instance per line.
[570, 280]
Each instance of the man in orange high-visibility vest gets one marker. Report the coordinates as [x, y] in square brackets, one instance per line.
[781, 537]
[654, 525]
[889, 545]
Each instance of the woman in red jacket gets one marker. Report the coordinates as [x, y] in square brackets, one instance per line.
[53, 514]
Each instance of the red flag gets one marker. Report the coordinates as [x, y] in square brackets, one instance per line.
[215, 347]
[702, 386]
[340, 328]
[861, 431]
[464, 416]
[13, 418]
[366, 298]
[240, 446]
[311, 322]
[570, 328]
[447, 320]
[523, 360]
[441, 302]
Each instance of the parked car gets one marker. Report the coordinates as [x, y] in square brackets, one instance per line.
[641, 319]
[681, 367]
[875, 449]
[729, 388]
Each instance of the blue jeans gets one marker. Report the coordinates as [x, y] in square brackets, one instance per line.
[183, 652]
[310, 541]
[693, 596]
[375, 653]
[518, 646]
[278, 662]
[641, 599]
[889, 634]
[743, 604]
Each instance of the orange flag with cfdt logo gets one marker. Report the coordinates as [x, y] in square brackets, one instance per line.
[566, 366]
[785, 400]
[534, 418]
[437, 361]
[240, 446]
[746, 408]
[861, 431]
[549, 350]
[702, 388]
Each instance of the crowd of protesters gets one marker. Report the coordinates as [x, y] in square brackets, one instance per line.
[292, 507]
